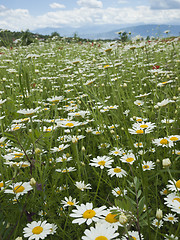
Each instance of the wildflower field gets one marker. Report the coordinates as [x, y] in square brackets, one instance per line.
[89, 140]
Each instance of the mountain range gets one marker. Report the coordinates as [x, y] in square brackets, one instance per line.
[110, 31]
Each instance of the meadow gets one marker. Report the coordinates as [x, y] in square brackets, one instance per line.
[89, 140]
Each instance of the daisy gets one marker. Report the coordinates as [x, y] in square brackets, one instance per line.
[174, 185]
[138, 102]
[55, 99]
[19, 188]
[174, 138]
[117, 171]
[170, 218]
[37, 230]
[69, 202]
[102, 162]
[82, 186]
[133, 234]
[28, 112]
[163, 142]
[118, 192]
[143, 127]
[68, 124]
[111, 219]
[116, 152]
[104, 145]
[138, 145]
[157, 223]
[149, 165]
[167, 121]
[86, 213]
[66, 170]
[128, 158]
[173, 201]
[60, 148]
[170, 237]
[164, 102]
[101, 231]
[64, 158]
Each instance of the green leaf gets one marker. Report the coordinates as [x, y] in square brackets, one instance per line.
[141, 205]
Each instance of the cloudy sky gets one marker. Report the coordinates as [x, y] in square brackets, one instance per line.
[19, 15]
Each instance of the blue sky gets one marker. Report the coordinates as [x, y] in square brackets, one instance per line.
[34, 14]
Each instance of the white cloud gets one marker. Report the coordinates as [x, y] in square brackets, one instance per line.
[17, 19]
[122, 1]
[90, 3]
[57, 5]
[165, 4]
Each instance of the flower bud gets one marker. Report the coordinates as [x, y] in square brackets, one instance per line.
[32, 182]
[159, 214]
[166, 162]
[122, 218]
[37, 150]
[83, 149]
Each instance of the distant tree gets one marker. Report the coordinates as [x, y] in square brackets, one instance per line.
[26, 38]
[55, 34]
[123, 36]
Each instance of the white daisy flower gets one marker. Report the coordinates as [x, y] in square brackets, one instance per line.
[172, 200]
[28, 112]
[138, 102]
[86, 213]
[117, 171]
[19, 188]
[103, 161]
[170, 218]
[101, 231]
[133, 234]
[60, 148]
[174, 185]
[149, 165]
[157, 223]
[143, 127]
[174, 138]
[37, 230]
[69, 202]
[82, 186]
[163, 142]
[116, 152]
[128, 158]
[65, 170]
[118, 192]
[170, 237]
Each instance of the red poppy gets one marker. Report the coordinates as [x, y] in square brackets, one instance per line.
[156, 67]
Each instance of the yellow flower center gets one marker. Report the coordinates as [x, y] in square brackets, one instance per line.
[16, 128]
[116, 152]
[176, 199]
[139, 131]
[171, 218]
[178, 184]
[145, 166]
[70, 203]
[138, 144]
[111, 218]
[24, 165]
[69, 124]
[18, 189]
[174, 139]
[18, 154]
[164, 141]
[118, 192]
[144, 126]
[1, 184]
[134, 238]
[139, 120]
[101, 238]
[89, 213]
[102, 163]
[37, 230]
[129, 159]
[165, 191]
[117, 170]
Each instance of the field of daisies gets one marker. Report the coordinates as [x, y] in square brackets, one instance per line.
[89, 140]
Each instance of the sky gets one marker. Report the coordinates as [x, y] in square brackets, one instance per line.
[17, 15]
